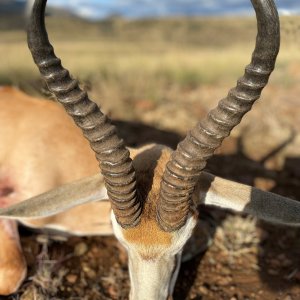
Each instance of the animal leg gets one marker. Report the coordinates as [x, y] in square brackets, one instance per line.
[13, 267]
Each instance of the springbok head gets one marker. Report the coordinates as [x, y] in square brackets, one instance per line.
[154, 192]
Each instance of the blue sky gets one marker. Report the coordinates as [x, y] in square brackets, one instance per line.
[146, 8]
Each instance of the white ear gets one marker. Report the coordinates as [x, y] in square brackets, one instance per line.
[216, 191]
[79, 192]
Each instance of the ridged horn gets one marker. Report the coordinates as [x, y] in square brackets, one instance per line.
[186, 163]
[115, 163]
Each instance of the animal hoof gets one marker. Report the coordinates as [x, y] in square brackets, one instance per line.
[11, 276]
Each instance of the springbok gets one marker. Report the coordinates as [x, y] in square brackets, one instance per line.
[153, 191]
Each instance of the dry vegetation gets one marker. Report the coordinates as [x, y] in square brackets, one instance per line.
[166, 74]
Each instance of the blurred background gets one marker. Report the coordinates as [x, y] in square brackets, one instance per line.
[157, 67]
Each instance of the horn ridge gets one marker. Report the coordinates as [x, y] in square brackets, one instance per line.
[202, 141]
[96, 127]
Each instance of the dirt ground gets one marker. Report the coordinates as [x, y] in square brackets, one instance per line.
[247, 259]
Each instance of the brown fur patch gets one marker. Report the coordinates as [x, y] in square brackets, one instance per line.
[13, 265]
[149, 164]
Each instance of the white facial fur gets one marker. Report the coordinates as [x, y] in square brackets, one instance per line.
[153, 276]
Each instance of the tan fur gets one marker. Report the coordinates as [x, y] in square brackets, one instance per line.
[12, 262]
[222, 187]
[149, 164]
[41, 149]
[40, 146]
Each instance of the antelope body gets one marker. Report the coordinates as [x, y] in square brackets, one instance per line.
[31, 163]
[147, 197]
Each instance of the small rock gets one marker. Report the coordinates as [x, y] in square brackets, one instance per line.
[214, 288]
[112, 292]
[80, 249]
[91, 274]
[72, 278]
[226, 272]
[95, 250]
[203, 290]
[274, 263]
[272, 272]
[264, 184]
[225, 280]
[281, 256]
[287, 263]
[42, 239]
[145, 104]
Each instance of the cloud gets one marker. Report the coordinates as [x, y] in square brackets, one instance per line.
[147, 8]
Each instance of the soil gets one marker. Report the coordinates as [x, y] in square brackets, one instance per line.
[247, 259]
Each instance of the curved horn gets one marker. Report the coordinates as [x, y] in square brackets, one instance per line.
[187, 162]
[115, 163]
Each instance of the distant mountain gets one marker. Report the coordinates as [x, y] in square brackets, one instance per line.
[97, 9]
[8, 7]
[12, 14]
[100, 9]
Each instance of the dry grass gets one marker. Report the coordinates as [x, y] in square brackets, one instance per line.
[44, 284]
[131, 60]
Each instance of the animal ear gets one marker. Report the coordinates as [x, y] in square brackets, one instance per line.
[216, 191]
[60, 199]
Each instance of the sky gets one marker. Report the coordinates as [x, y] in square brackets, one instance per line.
[95, 9]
